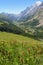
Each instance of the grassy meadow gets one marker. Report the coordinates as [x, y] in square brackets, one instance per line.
[20, 50]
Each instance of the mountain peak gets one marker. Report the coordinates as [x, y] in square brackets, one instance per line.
[38, 3]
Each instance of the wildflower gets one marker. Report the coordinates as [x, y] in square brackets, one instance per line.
[29, 50]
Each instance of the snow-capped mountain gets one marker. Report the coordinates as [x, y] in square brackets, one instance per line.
[29, 11]
[38, 3]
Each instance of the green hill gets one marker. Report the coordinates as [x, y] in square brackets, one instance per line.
[19, 50]
[9, 27]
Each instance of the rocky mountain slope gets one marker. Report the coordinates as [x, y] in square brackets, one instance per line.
[36, 17]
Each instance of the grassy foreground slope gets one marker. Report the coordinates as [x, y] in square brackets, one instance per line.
[12, 37]
[19, 50]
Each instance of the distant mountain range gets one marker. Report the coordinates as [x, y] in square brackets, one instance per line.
[27, 13]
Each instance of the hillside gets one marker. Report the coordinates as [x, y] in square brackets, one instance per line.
[38, 16]
[34, 23]
[9, 27]
[11, 37]
[20, 50]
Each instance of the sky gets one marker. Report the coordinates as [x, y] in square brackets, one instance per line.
[15, 6]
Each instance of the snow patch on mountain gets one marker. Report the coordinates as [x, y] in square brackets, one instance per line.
[38, 3]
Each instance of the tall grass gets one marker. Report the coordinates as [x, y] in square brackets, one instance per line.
[16, 53]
